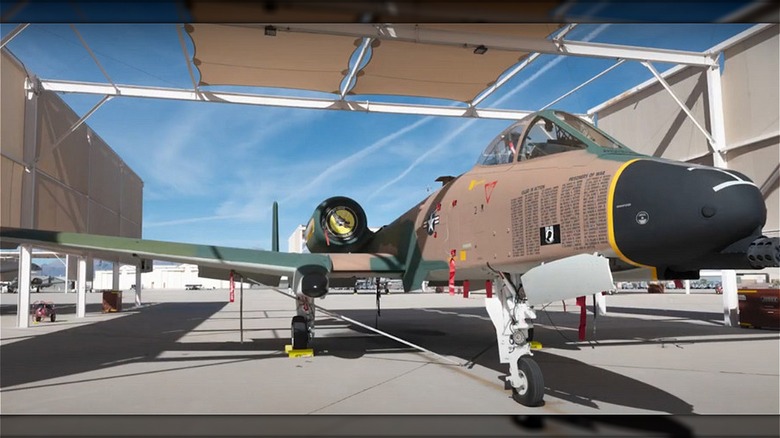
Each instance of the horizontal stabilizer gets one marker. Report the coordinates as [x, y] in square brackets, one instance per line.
[574, 276]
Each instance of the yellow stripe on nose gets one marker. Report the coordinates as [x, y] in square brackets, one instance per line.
[611, 219]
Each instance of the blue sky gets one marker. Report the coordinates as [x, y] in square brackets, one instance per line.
[211, 170]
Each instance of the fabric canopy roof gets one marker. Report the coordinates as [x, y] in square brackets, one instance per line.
[244, 55]
[317, 57]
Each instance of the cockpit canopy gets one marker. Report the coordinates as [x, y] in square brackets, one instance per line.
[544, 133]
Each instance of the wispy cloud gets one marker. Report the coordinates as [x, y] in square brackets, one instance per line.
[338, 168]
[459, 131]
[435, 149]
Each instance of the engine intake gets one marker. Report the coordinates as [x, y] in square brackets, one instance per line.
[338, 225]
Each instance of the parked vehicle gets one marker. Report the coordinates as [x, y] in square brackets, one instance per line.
[43, 309]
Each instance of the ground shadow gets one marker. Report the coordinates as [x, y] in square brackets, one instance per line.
[465, 333]
[137, 336]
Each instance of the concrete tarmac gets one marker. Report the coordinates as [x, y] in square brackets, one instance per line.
[181, 353]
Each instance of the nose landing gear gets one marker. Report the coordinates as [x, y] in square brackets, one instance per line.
[512, 318]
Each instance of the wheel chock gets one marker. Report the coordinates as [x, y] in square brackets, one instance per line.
[536, 345]
[303, 352]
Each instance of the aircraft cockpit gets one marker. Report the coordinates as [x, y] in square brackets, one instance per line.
[543, 134]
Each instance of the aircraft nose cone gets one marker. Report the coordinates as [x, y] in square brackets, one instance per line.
[671, 213]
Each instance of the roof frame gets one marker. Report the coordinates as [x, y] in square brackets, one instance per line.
[410, 33]
[369, 32]
[291, 102]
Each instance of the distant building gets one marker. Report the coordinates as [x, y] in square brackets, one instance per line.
[297, 242]
[168, 276]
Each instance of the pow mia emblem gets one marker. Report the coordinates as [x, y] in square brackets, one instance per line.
[550, 234]
[431, 222]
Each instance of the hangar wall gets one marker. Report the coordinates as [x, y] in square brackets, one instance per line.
[78, 185]
[650, 122]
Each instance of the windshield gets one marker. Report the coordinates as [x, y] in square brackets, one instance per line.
[588, 131]
[502, 149]
[545, 137]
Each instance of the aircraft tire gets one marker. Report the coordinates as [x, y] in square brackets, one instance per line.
[37, 318]
[531, 393]
[53, 318]
[300, 333]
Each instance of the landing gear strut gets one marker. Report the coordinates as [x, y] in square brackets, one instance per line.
[513, 320]
[302, 326]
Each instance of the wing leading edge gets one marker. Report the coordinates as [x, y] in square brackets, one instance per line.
[267, 264]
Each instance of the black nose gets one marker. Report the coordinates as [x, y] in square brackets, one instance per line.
[667, 213]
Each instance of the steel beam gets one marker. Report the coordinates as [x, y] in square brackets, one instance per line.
[12, 34]
[186, 54]
[575, 89]
[353, 71]
[78, 123]
[484, 94]
[92, 54]
[290, 102]
[685, 109]
[416, 34]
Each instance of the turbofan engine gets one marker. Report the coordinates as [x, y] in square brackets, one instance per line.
[338, 224]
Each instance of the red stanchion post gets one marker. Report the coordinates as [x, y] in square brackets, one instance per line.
[583, 317]
[489, 288]
[232, 288]
[465, 288]
[452, 272]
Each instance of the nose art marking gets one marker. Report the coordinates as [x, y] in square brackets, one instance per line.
[737, 180]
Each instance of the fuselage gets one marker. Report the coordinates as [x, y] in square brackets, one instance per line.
[662, 218]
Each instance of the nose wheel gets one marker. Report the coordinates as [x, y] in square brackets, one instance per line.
[530, 391]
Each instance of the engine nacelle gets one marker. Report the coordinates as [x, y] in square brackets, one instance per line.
[339, 225]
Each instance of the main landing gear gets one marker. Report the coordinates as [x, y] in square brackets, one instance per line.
[512, 318]
[302, 326]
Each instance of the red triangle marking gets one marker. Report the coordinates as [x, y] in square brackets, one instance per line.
[489, 190]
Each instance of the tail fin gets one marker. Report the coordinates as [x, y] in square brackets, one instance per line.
[275, 228]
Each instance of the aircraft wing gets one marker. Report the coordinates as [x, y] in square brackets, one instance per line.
[217, 260]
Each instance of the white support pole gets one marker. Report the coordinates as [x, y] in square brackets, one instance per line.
[687, 287]
[23, 284]
[71, 269]
[115, 276]
[81, 289]
[730, 298]
[718, 127]
[138, 285]
[717, 120]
